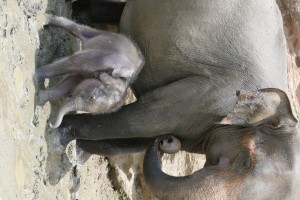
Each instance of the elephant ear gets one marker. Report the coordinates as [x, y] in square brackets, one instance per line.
[253, 107]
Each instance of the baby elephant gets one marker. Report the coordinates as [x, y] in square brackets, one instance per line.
[97, 77]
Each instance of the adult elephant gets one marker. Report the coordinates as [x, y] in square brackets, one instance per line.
[197, 55]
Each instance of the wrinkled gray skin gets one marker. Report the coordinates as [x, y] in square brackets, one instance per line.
[197, 55]
[87, 86]
[252, 154]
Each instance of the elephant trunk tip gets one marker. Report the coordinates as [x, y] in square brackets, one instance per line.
[65, 109]
[170, 144]
[58, 120]
[55, 125]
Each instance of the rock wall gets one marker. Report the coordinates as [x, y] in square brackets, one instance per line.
[290, 10]
[31, 167]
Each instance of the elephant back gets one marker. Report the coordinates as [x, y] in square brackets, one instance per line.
[222, 39]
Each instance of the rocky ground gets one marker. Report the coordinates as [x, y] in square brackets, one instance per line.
[30, 165]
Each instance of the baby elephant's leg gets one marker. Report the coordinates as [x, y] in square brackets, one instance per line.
[60, 90]
[85, 62]
[79, 31]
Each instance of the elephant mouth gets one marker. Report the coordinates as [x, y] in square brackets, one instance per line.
[230, 146]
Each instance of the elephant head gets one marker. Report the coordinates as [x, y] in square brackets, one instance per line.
[252, 154]
[94, 96]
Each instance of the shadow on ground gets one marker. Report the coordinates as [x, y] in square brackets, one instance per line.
[54, 44]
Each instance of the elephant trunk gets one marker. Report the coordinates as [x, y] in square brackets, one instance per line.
[65, 109]
[207, 183]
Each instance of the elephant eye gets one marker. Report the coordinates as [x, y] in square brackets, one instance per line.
[247, 163]
[69, 97]
[243, 160]
[214, 160]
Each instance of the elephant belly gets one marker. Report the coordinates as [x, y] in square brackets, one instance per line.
[221, 40]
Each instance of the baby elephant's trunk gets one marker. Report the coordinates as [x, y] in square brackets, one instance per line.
[67, 108]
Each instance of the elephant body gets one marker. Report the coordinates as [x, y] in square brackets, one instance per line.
[197, 55]
[210, 49]
[236, 43]
[97, 77]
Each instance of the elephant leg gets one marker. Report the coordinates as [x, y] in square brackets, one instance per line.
[84, 62]
[86, 148]
[60, 90]
[95, 11]
[102, 51]
[172, 109]
[82, 32]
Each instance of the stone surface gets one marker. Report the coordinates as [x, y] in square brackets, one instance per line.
[290, 10]
[32, 167]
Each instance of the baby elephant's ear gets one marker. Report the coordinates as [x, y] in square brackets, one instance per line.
[268, 104]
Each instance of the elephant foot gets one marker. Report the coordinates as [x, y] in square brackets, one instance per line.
[170, 144]
[81, 155]
[42, 97]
